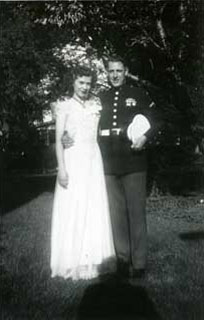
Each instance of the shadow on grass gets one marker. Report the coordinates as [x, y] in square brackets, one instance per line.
[192, 235]
[22, 189]
[116, 300]
[27, 298]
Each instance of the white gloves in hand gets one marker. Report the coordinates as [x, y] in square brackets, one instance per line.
[138, 127]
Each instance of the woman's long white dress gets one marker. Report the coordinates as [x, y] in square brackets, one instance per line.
[81, 234]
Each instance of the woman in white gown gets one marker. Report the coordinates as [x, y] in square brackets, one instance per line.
[81, 235]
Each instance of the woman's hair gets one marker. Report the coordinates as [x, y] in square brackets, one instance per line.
[82, 71]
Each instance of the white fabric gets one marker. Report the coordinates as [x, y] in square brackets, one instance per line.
[81, 237]
[138, 127]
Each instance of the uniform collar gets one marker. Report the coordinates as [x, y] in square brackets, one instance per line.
[119, 88]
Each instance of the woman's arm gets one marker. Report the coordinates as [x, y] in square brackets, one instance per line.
[62, 173]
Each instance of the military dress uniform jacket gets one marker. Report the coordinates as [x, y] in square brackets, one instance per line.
[120, 105]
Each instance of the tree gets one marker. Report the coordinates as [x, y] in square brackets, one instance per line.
[162, 41]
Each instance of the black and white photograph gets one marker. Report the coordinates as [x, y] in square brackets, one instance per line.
[102, 160]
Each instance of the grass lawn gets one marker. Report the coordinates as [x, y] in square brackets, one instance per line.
[172, 290]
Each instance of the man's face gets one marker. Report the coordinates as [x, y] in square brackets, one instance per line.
[116, 73]
[82, 86]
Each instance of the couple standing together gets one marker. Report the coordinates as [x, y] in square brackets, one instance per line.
[97, 217]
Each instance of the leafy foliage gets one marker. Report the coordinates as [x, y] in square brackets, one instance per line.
[161, 40]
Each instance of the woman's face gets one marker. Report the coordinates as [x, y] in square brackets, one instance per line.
[82, 86]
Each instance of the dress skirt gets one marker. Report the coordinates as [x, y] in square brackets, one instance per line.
[81, 234]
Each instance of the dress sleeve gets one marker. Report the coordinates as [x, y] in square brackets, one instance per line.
[98, 102]
[61, 108]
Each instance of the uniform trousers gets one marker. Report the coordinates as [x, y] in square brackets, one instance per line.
[127, 199]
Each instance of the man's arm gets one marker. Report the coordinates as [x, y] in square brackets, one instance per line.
[66, 140]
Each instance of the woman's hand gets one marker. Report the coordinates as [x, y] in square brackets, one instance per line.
[63, 178]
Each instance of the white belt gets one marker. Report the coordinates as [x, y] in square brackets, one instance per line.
[110, 132]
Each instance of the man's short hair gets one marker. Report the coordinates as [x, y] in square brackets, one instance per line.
[115, 58]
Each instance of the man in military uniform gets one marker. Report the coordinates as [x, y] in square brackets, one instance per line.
[125, 164]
